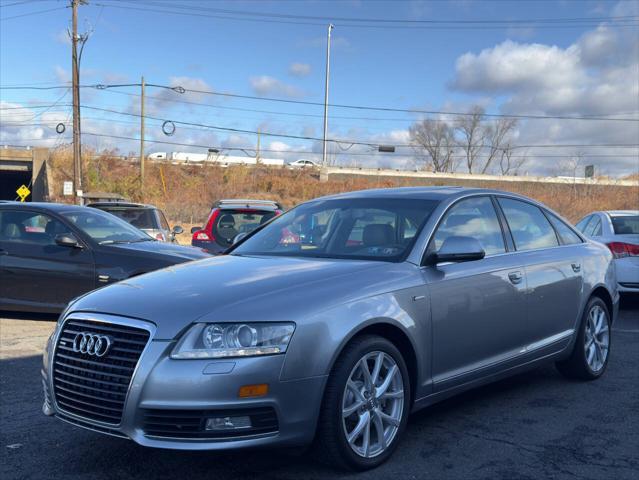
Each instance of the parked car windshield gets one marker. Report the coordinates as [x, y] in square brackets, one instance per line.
[138, 217]
[626, 224]
[366, 229]
[105, 228]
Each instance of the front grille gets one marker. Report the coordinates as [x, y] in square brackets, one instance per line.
[190, 423]
[95, 387]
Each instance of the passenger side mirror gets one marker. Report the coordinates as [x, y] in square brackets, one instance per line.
[239, 237]
[195, 229]
[459, 249]
[67, 240]
[177, 230]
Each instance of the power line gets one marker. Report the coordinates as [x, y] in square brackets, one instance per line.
[388, 20]
[182, 90]
[175, 11]
[32, 13]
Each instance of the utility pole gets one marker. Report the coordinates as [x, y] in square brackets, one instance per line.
[257, 152]
[328, 71]
[142, 136]
[75, 85]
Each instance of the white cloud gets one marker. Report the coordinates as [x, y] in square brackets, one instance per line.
[270, 86]
[299, 69]
[596, 75]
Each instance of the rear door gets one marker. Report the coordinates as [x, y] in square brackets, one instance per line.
[36, 272]
[478, 308]
[553, 271]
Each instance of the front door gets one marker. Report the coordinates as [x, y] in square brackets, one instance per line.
[36, 272]
[478, 308]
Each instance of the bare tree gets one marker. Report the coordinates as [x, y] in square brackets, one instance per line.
[510, 164]
[435, 141]
[471, 136]
[496, 137]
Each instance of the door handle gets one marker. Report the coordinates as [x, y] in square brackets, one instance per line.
[515, 277]
[576, 267]
[3, 252]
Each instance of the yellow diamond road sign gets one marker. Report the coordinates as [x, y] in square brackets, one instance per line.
[23, 192]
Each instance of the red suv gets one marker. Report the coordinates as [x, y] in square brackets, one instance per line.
[229, 218]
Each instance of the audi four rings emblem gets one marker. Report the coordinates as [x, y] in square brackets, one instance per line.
[92, 344]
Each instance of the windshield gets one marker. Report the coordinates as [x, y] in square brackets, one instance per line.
[626, 224]
[138, 217]
[363, 229]
[105, 228]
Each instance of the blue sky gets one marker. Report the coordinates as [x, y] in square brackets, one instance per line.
[433, 69]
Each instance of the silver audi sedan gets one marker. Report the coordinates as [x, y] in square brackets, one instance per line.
[330, 324]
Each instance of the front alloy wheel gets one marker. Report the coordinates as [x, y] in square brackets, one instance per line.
[373, 404]
[365, 406]
[597, 338]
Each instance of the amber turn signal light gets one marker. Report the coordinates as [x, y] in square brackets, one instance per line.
[248, 391]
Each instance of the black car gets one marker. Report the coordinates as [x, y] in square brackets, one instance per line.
[51, 253]
[148, 218]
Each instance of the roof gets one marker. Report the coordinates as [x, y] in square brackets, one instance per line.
[248, 203]
[622, 213]
[54, 207]
[120, 205]
[416, 193]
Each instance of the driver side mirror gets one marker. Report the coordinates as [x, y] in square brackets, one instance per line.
[177, 230]
[458, 249]
[67, 240]
[195, 229]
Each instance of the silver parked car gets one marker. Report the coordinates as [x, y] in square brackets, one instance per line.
[333, 322]
[619, 231]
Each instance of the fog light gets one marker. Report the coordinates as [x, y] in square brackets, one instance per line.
[228, 423]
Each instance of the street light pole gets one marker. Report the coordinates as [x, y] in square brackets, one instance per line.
[328, 71]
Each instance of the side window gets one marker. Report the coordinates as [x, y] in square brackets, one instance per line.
[473, 217]
[30, 228]
[528, 225]
[163, 223]
[567, 236]
[594, 227]
[581, 226]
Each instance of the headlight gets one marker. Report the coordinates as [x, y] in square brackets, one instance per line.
[224, 340]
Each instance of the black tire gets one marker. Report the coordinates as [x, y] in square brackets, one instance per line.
[576, 365]
[331, 446]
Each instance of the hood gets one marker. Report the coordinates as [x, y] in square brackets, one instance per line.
[234, 288]
[160, 249]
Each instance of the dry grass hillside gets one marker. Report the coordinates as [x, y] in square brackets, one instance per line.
[186, 193]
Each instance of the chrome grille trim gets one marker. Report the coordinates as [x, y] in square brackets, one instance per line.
[90, 389]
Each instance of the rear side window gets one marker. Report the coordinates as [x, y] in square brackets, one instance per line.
[138, 217]
[230, 223]
[594, 227]
[474, 217]
[529, 226]
[625, 225]
[581, 225]
[567, 236]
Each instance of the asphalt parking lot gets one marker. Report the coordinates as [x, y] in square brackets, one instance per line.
[536, 425]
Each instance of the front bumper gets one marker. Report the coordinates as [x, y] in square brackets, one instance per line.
[204, 388]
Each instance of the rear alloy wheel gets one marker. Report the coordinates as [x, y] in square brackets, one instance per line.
[589, 357]
[365, 406]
